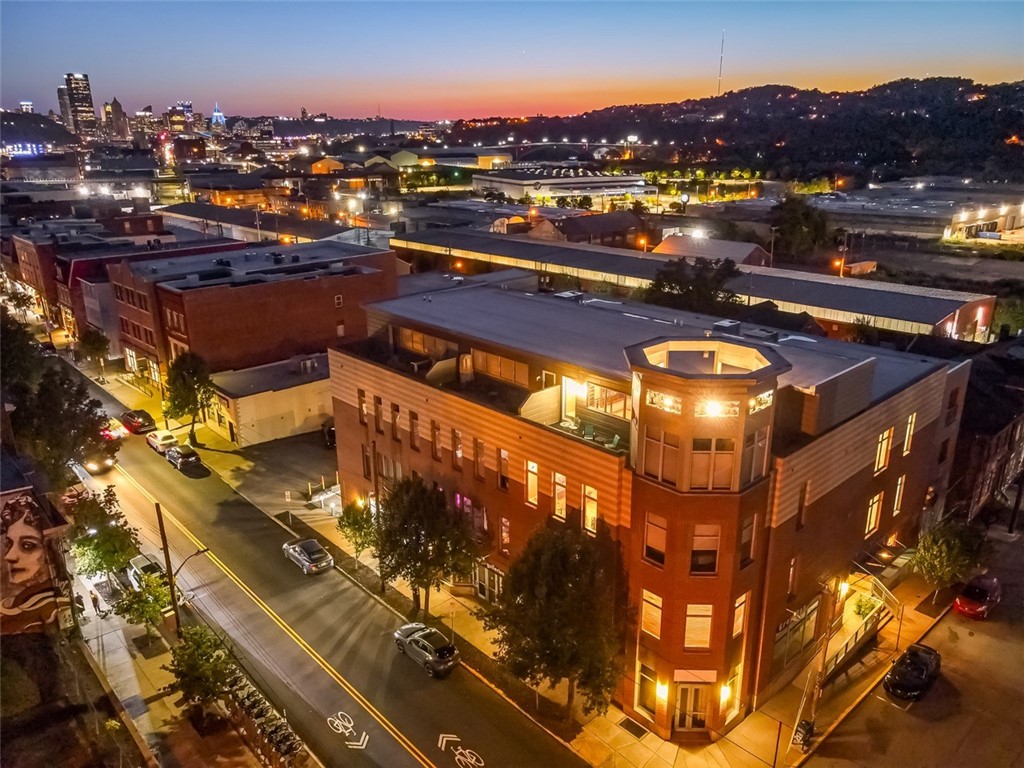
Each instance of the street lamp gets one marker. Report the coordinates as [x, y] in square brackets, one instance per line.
[171, 581]
[642, 242]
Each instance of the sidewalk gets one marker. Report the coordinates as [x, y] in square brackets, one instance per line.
[131, 661]
[275, 476]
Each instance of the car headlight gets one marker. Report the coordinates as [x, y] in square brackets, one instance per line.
[109, 462]
[92, 466]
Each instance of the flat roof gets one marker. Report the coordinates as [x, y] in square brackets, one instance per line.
[859, 297]
[594, 334]
[269, 222]
[272, 377]
[544, 173]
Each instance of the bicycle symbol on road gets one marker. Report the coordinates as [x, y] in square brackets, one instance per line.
[342, 722]
[464, 758]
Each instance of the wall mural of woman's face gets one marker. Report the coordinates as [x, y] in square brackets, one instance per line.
[24, 554]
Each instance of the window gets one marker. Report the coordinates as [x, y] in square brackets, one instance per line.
[704, 554]
[396, 413]
[456, 449]
[124, 325]
[650, 614]
[340, 329]
[149, 336]
[711, 463]
[698, 626]
[791, 580]
[435, 440]
[882, 450]
[547, 379]
[747, 541]
[607, 401]
[361, 394]
[739, 614]
[339, 301]
[874, 513]
[897, 503]
[661, 455]
[503, 469]
[647, 689]
[908, 436]
[506, 535]
[118, 293]
[944, 451]
[801, 504]
[478, 458]
[367, 463]
[590, 508]
[414, 430]
[558, 495]
[143, 303]
[378, 415]
[531, 483]
[425, 344]
[655, 538]
[503, 368]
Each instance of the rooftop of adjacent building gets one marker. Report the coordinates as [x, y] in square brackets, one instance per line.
[593, 333]
[273, 377]
[290, 226]
[548, 173]
[861, 297]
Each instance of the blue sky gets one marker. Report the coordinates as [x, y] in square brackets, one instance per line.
[430, 60]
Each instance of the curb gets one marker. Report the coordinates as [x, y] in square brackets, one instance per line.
[863, 695]
[122, 713]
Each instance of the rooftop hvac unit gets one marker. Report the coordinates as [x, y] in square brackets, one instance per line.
[728, 326]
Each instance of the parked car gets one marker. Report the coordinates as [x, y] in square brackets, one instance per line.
[143, 564]
[913, 673]
[161, 440]
[428, 647]
[137, 421]
[98, 462]
[308, 555]
[182, 456]
[327, 430]
[979, 597]
[113, 430]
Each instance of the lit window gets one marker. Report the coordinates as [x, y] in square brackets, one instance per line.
[898, 502]
[506, 535]
[607, 401]
[909, 436]
[650, 615]
[716, 409]
[874, 513]
[362, 405]
[531, 483]
[655, 538]
[704, 554]
[661, 455]
[739, 614]
[698, 626]
[414, 430]
[395, 425]
[882, 450]
[435, 440]
[558, 495]
[711, 463]
[378, 415]
[791, 580]
[456, 449]
[503, 469]
[590, 508]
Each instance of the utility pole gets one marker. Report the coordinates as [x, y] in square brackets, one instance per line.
[721, 62]
[771, 251]
[167, 568]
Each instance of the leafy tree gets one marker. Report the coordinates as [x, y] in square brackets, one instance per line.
[1009, 311]
[864, 332]
[93, 345]
[801, 228]
[560, 618]
[586, 202]
[189, 389]
[20, 302]
[60, 423]
[698, 287]
[639, 207]
[20, 360]
[147, 604]
[356, 524]
[201, 666]
[422, 539]
[525, 200]
[563, 202]
[102, 541]
[947, 553]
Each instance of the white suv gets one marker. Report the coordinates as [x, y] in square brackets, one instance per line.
[161, 440]
[143, 564]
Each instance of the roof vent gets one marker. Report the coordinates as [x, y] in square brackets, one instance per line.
[728, 326]
[762, 334]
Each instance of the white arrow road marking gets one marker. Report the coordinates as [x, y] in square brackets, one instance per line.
[445, 739]
[361, 744]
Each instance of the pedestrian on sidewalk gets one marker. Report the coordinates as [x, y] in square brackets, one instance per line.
[96, 603]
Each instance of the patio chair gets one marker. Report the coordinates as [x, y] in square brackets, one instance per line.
[588, 431]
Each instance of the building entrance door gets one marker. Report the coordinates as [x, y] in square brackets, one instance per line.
[691, 706]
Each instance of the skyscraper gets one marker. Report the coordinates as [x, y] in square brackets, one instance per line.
[217, 122]
[117, 121]
[26, 107]
[65, 108]
[83, 113]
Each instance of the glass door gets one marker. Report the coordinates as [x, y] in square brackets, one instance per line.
[691, 706]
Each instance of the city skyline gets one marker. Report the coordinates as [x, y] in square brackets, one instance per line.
[435, 62]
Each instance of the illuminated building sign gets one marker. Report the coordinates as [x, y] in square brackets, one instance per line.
[762, 401]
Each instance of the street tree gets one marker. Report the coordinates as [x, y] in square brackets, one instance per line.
[801, 228]
[93, 345]
[586, 202]
[356, 524]
[1009, 311]
[59, 423]
[947, 553]
[201, 666]
[864, 332]
[145, 605]
[20, 302]
[102, 541]
[422, 539]
[698, 287]
[560, 616]
[20, 360]
[189, 389]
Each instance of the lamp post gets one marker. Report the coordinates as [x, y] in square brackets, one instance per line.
[771, 248]
[841, 261]
[172, 581]
[642, 242]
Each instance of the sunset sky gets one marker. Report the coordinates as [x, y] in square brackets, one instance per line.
[432, 60]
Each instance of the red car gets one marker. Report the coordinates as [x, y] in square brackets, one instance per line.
[979, 597]
[114, 430]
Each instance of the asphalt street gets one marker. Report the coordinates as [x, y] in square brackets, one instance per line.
[319, 643]
[974, 713]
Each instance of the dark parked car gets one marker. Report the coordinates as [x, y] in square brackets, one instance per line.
[308, 555]
[98, 462]
[137, 422]
[428, 647]
[979, 597]
[327, 429]
[182, 456]
[913, 672]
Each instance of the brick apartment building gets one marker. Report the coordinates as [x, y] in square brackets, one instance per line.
[239, 309]
[744, 473]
